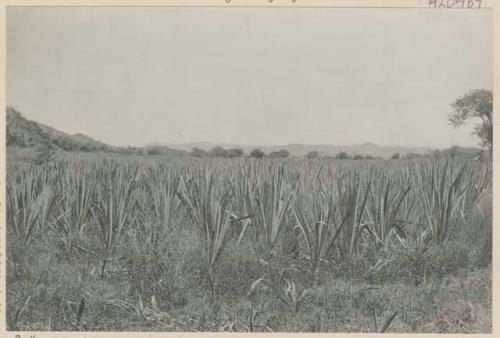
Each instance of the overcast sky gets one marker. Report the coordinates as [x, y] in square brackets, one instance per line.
[131, 76]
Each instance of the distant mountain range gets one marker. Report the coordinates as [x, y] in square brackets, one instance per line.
[25, 133]
[302, 149]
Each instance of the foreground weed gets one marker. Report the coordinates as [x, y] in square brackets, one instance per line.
[209, 210]
[270, 204]
[30, 200]
[442, 194]
[115, 206]
[76, 188]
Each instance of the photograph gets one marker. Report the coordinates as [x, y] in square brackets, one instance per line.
[257, 169]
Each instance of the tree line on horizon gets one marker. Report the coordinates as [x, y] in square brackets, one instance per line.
[220, 152]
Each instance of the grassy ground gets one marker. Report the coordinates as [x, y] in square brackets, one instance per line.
[346, 301]
[449, 290]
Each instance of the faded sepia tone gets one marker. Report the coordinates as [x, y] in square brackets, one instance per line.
[226, 75]
[249, 169]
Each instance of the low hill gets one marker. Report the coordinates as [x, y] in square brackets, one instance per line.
[25, 133]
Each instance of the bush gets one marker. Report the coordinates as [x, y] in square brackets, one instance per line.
[45, 154]
[343, 156]
[257, 153]
[218, 152]
[235, 152]
[197, 152]
[279, 154]
[153, 151]
[312, 155]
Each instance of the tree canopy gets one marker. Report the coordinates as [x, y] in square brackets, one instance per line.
[312, 154]
[257, 153]
[342, 156]
[279, 154]
[197, 152]
[218, 152]
[235, 152]
[476, 104]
